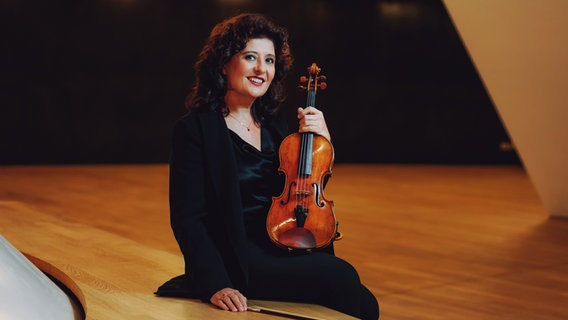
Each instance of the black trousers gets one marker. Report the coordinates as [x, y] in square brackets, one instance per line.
[317, 277]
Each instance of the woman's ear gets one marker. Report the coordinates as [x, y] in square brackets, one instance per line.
[224, 71]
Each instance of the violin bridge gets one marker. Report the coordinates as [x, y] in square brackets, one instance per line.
[301, 194]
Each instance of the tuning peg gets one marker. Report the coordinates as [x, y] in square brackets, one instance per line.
[322, 78]
[322, 85]
[303, 79]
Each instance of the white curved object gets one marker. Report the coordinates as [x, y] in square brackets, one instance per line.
[26, 293]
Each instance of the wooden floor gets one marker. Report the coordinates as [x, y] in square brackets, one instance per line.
[431, 242]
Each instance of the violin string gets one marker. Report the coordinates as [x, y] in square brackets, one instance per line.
[302, 166]
[300, 172]
[304, 169]
[302, 186]
[306, 147]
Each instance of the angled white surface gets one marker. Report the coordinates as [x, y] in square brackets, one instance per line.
[521, 53]
[26, 293]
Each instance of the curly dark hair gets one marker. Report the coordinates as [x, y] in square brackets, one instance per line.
[226, 39]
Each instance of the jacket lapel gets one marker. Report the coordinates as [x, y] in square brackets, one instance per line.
[222, 169]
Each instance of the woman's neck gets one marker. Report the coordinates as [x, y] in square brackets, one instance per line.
[238, 105]
[241, 121]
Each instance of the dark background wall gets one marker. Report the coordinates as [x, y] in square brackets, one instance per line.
[103, 81]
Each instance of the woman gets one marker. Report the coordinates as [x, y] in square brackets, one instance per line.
[223, 175]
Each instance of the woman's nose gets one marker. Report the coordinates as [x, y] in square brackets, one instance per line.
[260, 66]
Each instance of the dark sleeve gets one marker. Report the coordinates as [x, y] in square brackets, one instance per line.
[188, 211]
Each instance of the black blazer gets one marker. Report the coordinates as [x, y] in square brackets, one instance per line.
[205, 203]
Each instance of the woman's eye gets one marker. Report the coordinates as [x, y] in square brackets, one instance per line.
[270, 60]
[250, 57]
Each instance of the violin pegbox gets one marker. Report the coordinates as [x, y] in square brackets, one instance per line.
[313, 81]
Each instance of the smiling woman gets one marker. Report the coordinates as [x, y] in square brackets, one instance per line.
[249, 75]
[251, 70]
[224, 174]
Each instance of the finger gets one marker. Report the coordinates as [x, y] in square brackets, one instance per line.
[228, 301]
[219, 303]
[308, 129]
[217, 300]
[239, 300]
[301, 113]
[242, 301]
[312, 110]
[311, 120]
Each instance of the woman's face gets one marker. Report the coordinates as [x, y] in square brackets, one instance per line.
[250, 71]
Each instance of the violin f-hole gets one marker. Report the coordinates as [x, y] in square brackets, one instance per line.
[285, 201]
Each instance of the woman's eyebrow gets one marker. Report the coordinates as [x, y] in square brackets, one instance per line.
[257, 53]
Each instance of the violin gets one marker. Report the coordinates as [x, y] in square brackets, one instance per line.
[301, 218]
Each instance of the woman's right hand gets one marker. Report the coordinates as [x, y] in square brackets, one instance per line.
[312, 120]
[229, 299]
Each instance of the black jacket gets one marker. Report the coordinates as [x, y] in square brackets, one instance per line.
[205, 203]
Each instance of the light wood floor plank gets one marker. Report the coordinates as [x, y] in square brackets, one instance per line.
[432, 242]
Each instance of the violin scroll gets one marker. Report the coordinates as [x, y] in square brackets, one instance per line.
[314, 80]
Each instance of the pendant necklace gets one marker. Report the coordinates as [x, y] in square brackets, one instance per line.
[242, 124]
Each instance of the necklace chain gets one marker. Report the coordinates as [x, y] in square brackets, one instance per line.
[242, 124]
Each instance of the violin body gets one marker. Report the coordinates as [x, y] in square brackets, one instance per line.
[301, 217]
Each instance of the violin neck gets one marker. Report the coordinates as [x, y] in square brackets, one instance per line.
[311, 99]
[305, 161]
[306, 148]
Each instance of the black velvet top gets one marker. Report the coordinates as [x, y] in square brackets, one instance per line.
[259, 181]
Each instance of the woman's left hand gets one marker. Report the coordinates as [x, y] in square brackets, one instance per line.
[229, 299]
[312, 120]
